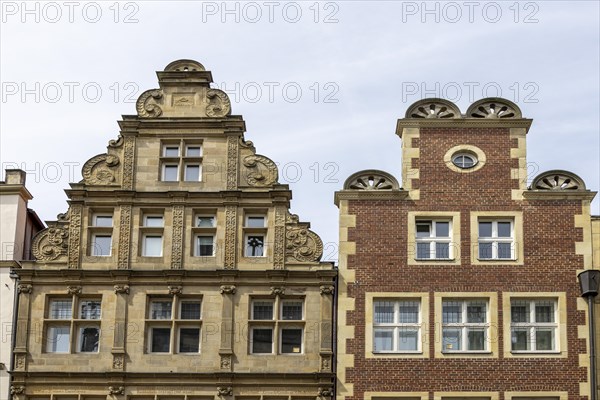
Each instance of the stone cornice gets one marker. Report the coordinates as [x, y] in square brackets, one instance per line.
[461, 123]
[188, 276]
[7, 189]
[559, 195]
[199, 378]
[370, 195]
[9, 264]
[232, 125]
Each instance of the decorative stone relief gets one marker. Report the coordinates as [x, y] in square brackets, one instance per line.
[118, 361]
[175, 290]
[279, 245]
[227, 289]
[225, 391]
[218, 103]
[128, 159]
[225, 361]
[147, 104]
[230, 235]
[303, 245]
[433, 108]
[262, 171]
[116, 143]
[74, 290]
[557, 180]
[124, 289]
[277, 291]
[17, 390]
[74, 235]
[232, 162]
[247, 144]
[325, 363]
[325, 392]
[124, 237]
[100, 170]
[20, 360]
[494, 107]
[177, 242]
[327, 289]
[371, 180]
[50, 244]
[116, 390]
[24, 288]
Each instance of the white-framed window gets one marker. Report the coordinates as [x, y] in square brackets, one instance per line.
[255, 233]
[464, 160]
[271, 329]
[496, 239]
[174, 325]
[396, 326]
[204, 235]
[534, 326]
[433, 239]
[152, 235]
[178, 165]
[101, 235]
[73, 317]
[465, 325]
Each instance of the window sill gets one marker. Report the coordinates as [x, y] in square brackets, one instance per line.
[466, 352]
[434, 259]
[496, 259]
[533, 353]
[385, 353]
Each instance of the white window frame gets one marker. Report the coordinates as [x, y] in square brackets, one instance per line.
[145, 247]
[273, 339]
[178, 339]
[247, 253]
[397, 326]
[164, 172]
[249, 216]
[533, 325]
[95, 247]
[280, 338]
[174, 323]
[494, 239]
[277, 324]
[74, 323]
[464, 326]
[102, 215]
[433, 239]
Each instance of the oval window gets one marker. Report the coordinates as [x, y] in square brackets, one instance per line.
[463, 160]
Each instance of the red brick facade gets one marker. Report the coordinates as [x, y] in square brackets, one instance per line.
[381, 264]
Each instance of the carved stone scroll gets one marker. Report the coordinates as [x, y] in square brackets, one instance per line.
[147, 104]
[262, 171]
[224, 391]
[218, 103]
[227, 289]
[303, 245]
[100, 170]
[50, 244]
[27, 289]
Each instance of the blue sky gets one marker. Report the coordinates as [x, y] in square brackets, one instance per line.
[320, 84]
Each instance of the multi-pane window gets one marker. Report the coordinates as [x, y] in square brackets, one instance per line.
[101, 235]
[173, 325]
[276, 331]
[465, 325]
[496, 240]
[152, 235]
[181, 161]
[533, 325]
[204, 235]
[255, 233]
[396, 326]
[433, 240]
[73, 317]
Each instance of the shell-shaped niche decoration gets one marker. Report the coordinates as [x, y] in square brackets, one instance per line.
[371, 180]
[433, 108]
[494, 108]
[557, 180]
